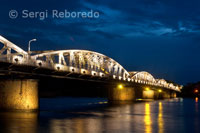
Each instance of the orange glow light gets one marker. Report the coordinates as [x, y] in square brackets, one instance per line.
[196, 99]
[196, 91]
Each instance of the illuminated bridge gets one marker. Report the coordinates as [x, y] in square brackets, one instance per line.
[76, 64]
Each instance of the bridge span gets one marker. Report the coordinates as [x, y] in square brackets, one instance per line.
[20, 72]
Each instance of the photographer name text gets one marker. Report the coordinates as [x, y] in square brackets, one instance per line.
[27, 14]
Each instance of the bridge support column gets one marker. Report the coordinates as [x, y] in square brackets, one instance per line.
[162, 95]
[173, 95]
[121, 93]
[19, 94]
[166, 94]
[148, 94]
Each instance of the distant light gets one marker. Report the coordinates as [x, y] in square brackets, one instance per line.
[120, 86]
[159, 90]
[196, 91]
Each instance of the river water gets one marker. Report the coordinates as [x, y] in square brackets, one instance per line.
[95, 115]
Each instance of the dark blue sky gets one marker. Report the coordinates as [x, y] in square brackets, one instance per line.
[158, 36]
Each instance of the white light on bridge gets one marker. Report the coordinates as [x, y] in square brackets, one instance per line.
[59, 67]
[83, 71]
[94, 73]
[72, 69]
[39, 62]
[17, 59]
[101, 74]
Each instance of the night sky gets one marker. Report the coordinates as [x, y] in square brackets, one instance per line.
[158, 36]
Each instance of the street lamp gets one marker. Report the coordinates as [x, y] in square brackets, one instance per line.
[29, 45]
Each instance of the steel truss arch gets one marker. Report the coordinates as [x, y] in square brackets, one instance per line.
[142, 76]
[82, 61]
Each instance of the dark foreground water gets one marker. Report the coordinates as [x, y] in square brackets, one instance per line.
[93, 115]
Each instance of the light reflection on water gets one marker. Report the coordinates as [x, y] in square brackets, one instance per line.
[147, 118]
[196, 99]
[18, 122]
[162, 116]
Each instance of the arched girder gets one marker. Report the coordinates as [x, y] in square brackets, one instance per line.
[9, 45]
[170, 85]
[162, 82]
[11, 52]
[84, 59]
[77, 59]
[143, 76]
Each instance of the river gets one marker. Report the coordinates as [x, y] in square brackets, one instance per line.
[96, 115]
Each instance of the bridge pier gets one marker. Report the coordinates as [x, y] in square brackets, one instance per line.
[19, 94]
[173, 94]
[166, 95]
[157, 94]
[148, 94]
[162, 95]
[130, 93]
[121, 93]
